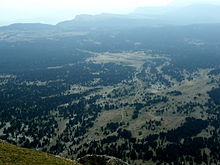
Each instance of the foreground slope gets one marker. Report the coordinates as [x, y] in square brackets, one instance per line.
[10, 154]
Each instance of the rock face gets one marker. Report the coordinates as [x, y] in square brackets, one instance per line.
[100, 160]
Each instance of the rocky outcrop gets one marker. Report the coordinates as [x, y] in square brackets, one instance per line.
[100, 160]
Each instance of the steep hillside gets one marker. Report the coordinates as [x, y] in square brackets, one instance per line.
[10, 154]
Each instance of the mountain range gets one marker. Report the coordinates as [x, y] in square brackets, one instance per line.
[144, 16]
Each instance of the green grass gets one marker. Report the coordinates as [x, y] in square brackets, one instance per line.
[13, 155]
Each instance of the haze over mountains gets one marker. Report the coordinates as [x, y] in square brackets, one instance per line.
[151, 16]
[146, 16]
[193, 14]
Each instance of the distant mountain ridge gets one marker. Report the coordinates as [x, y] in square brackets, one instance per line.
[144, 16]
[28, 26]
[151, 16]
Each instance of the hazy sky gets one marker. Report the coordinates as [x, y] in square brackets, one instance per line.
[53, 11]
